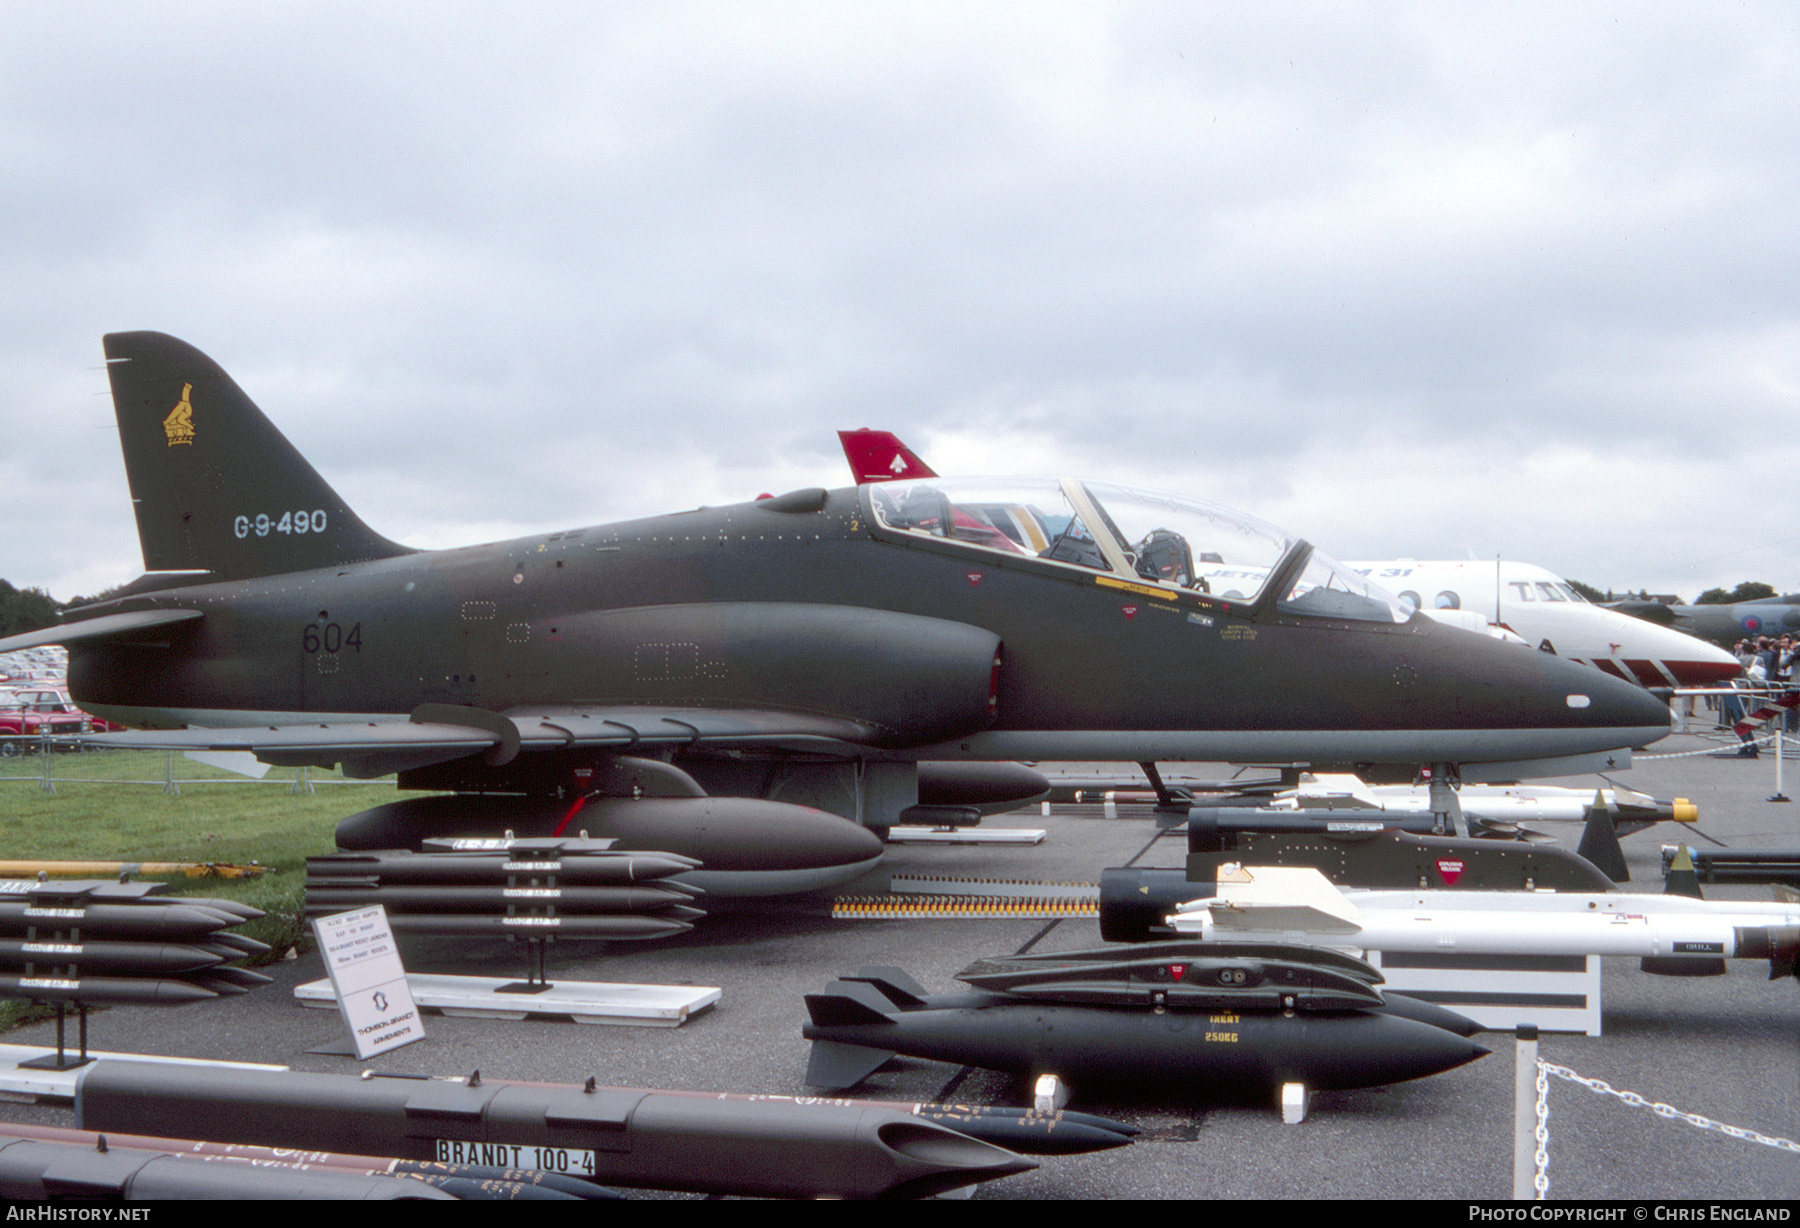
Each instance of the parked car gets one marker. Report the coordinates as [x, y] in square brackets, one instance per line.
[27, 716]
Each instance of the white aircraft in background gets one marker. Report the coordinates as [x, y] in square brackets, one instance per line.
[1518, 600]
[1546, 612]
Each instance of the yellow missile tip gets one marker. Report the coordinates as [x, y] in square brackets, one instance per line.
[1683, 811]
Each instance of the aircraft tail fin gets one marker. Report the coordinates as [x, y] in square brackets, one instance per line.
[895, 984]
[836, 1065]
[848, 1003]
[879, 456]
[839, 1064]
[216, 487]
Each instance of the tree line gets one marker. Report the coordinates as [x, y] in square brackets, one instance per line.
[27, 609]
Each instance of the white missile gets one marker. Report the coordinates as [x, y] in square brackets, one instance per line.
[1492, 803]
[1298, 904]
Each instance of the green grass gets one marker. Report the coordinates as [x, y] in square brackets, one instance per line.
[100, 815]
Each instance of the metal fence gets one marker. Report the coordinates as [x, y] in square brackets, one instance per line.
[46, 762]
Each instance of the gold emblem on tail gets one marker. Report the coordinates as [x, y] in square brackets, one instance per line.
[179, 425]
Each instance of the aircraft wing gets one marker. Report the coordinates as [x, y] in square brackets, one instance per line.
[366, 749]
[107, 626]
[438, 733]
[1649, 611]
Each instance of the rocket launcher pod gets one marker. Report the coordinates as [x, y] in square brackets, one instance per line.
[98, 943]
[1026, 1131]
[626, 927]
[111, 957]
[30, 1169]
[105, 990]
[426, 898]
[83, 892]
[168, 923]
[569, 887]
[773, 1148]
[468, 1176]
[1780, 866]
[588, 869]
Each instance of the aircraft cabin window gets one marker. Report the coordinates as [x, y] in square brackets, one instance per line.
[1328, 589]
[1094, 526]
[924, 510]
[1074, 544]
[1141, 536]
[1025, 519]
[1549, 592]
[1521, 590]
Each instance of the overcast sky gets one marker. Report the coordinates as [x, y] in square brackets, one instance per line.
[1408, 280]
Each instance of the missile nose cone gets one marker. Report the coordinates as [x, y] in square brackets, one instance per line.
[1431, 1050]
[944, 1159]
[1421, 1011]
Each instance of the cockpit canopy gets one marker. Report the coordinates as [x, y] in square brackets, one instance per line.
[1145, 537]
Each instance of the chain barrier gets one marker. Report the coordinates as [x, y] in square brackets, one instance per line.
[1666, 1111]
[1713, 748]
[1640, 757]
[1540, 1182]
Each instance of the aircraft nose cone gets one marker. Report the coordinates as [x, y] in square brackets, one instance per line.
[1528, 704]
[1602, 702]
[1689, 661]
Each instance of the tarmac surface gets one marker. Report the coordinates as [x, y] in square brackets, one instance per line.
[1724, 1048]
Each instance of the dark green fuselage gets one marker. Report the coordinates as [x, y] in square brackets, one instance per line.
[793, 611]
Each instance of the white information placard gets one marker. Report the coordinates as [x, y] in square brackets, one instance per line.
[368, 980]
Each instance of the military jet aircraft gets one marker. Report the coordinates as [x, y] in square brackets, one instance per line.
[710, 683]
[1771, 616]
